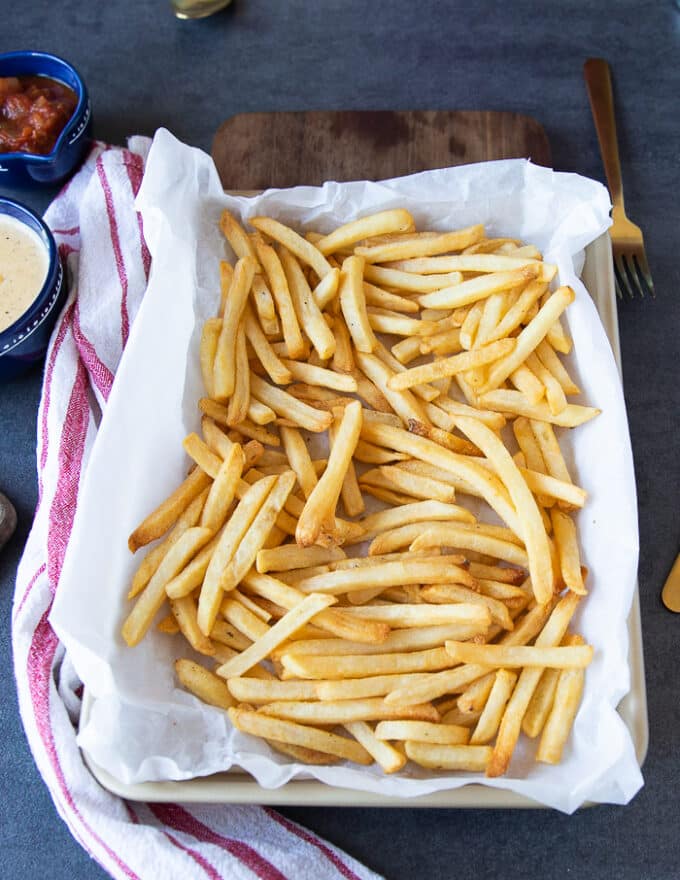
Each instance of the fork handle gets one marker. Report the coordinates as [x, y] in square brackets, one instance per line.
[599, 84]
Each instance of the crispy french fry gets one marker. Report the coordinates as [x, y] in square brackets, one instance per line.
[257, 691]
[236, 235]
[307, 311]
[566, 543]
[209, 339]
[450, 366]
[289, 407]
[290, 556]
[224, 373]
[151, 599]
[353, 304]
[492, 713]
[365, 665]
[565, 705]
[413, 639]
[240, 399]
[381, 223]
[319, 376]
[282, 630]
[169, 511]
[423, 731]
[389, 758]
[298, 734]
[435, 757]
[346, 711]
[421, 246]
[295, 346]
[203, 684]
[295, 243]
[519, 656]
[321, 504]
[184, 612]
[278, 373]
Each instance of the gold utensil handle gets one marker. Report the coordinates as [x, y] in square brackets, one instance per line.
[671, 591]
[599, 84]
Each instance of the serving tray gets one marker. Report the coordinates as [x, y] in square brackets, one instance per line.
[236, 786]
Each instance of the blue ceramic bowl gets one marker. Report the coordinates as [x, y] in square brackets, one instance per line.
[19, 169]
[25, 341]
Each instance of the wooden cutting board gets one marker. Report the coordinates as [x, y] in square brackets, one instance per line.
[260, 150]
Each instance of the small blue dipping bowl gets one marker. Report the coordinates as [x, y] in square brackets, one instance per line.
[25, 341]
[19, 169]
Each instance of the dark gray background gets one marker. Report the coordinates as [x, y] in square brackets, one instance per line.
[144, 69]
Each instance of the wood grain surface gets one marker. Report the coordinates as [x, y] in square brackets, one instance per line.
[259, 150]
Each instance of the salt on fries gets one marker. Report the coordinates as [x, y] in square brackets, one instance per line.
[449, 636]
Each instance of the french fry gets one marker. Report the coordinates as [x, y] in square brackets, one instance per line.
[246, 511]
[224, 372]
[411, 282]
[423, 731]
[322, 667]
[475, 289]
[278, 373]
[321, 504]
[401, 615]
[402, 402]
[319, 376]
[169, 511]
[346, 711]
[184, 612]
[421, 246]
[413, 639]
[565, 705]
[295, 346]
[448, 593]
[209, 339]
[291, 556]
[326, 290]
[282, 630]
[389, 758]
[203, 684]
[352, 499]
[476, 262]
[551, 362]
[257, 691]
[381, 223]
[519, 656]
[376, 296]
[532, 531]
[151, 599]
[302, 754]
[510, 726]
[450, 366]
[236, 235]
[416, 485]
[299, 459]
[295, 243]
[435, 757]
[566, 543]
[418, 511]
[307, 311]
[298, 734]
[455, 535]
[255, 536]
[353, 304]
[240, 399]
[289, 407]
[492, 713]
[190, 517]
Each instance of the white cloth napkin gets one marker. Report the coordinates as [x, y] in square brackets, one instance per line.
[100, 236]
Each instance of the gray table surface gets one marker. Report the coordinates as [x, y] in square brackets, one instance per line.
[144, 70]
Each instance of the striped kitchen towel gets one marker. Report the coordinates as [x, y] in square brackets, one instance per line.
[100, 236]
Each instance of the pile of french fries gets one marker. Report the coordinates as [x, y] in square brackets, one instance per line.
[408, 368]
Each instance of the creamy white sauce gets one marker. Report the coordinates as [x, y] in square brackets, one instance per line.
[23, 269]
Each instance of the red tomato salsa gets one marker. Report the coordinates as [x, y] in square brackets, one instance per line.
[33, 113]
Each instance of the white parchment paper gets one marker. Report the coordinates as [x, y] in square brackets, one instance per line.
[142, 726]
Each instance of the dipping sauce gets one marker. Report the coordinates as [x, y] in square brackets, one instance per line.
[33, 113]
[23, 269]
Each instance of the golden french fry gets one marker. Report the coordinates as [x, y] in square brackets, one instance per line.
[381, 223]
[449, 593]
[308, 312]
[319, 376]
[471, 758]
[551, 362]
[265, 353]
[321, 504]
[295, 243]
[291, 556]
[479, 288]
[151, 599]
[401, 615]
[510, 726]
[456, 535]
[450, 366]
[257, 691]
[295, 346]
[389, 758]
[256, 535]
[421, 246]
[246, 511]
[492, 713]
[289, 407]
[423, 731]
[566, 543]
[352, 499]
[185, 613]
[346, 711]
[365, 665]
[203, 684]
[353, 304]
[532, 530]
[302, 754]
[224, 373]
[519, 656]
[326, 290]
[298, 734]
[558, 725]
[169, 511]
[240, 399]
[410, 281]
[209, 339]
[376, 296]
[236, 235]
[190, 517]
[282, 630]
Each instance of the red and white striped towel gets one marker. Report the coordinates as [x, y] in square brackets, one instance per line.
[98, 230]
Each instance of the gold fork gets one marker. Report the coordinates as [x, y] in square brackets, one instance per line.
[631, 271]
